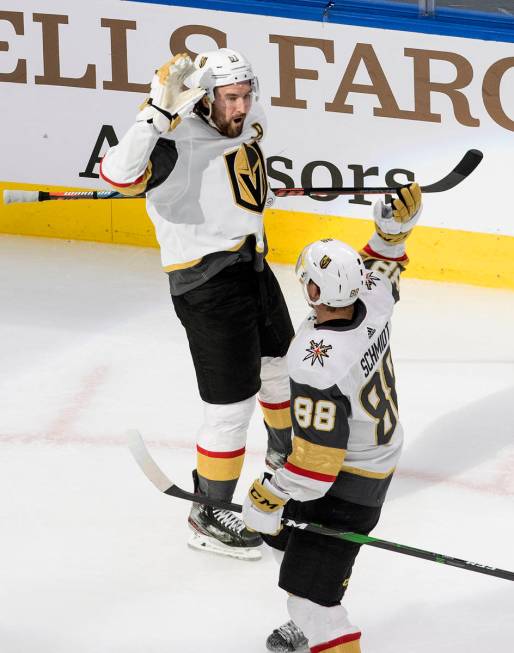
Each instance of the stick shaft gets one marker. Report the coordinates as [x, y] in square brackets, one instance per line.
[154, 473]
[19, 196]
[463, 169]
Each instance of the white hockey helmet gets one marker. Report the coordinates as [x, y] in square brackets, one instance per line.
[221, 68]
[335, 267]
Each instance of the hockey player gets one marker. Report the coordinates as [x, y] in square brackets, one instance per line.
[346, 432]
[196, 154]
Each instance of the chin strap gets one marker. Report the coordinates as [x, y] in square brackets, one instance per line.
[207, 117]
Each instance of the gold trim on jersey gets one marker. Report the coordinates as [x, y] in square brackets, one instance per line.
[140, 187]
[357, 471]
[219, 469]
[238, 246]
[181, 266]
[316, 457]
[190, 264]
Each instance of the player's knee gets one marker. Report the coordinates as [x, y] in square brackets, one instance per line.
[228, 419]
[275, 380]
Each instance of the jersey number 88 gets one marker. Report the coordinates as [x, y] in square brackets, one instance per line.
[320, 414]
[378, 398]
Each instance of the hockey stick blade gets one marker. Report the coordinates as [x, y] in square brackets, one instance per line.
[463, 169]
[155, 474]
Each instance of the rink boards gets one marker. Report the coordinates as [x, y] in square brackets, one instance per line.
[346, 105]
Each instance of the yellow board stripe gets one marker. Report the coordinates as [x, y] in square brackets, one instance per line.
[315, 457]
[438, 254]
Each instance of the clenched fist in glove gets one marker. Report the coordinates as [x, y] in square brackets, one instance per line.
[264, 505]
[169, 102]
[394, 222]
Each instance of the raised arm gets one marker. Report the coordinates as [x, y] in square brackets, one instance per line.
[146, 155]
[385, 251]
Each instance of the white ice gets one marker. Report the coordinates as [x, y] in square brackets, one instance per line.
[93, 558]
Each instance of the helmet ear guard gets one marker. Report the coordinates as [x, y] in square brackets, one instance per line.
[204, 107]
[337, 270]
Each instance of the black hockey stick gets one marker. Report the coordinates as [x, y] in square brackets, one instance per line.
[155, 474]
[462, 170]
[17, 196]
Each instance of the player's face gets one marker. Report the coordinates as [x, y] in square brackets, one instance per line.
[230, 106]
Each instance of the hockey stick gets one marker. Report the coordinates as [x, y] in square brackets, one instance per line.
[462, 170]
[155, 474]
[16, 196]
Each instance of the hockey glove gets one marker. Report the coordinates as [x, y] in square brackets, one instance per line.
[264, 505]
[169, 102]
[395, 222]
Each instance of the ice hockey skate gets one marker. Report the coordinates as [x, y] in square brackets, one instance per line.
[287, 638]
[222, 532]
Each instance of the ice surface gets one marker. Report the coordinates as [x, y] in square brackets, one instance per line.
[93, 557]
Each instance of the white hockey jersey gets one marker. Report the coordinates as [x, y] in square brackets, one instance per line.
[205, 192]
[347, 436]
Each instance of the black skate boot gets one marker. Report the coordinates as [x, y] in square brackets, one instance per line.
[221, 531]
[287, 638]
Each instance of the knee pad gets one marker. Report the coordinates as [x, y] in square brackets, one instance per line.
[225, 426]
[274, 380]
[221, 446]
[274, 397]
[322, 625]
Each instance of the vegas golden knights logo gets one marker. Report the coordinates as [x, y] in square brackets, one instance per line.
[325, 262]
[247, 173]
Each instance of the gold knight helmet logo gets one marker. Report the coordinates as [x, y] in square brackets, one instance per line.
[325, 262]
[247, 173]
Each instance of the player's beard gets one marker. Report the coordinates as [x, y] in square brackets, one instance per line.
[230, 128]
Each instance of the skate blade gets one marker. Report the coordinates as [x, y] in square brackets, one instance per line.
[204, 543]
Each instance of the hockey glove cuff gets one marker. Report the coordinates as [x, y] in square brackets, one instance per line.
[264, 505]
